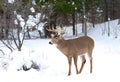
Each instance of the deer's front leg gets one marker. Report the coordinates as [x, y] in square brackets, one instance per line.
[70, 63]
[75, 62]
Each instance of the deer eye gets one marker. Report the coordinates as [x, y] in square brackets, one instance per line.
[56, 37]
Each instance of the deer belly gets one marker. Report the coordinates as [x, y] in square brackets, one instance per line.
[81, 51]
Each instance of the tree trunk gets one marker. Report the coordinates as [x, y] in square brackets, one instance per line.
[28, 33]
[73, 24]
[84, 20]
[106, 11]
[93, 13]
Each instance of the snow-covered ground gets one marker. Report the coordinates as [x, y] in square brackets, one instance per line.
[53, 64]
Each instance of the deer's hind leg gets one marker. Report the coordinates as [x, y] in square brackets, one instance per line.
[83, 63]
[91, 64]
[91, 60]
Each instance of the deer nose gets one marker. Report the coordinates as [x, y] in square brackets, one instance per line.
[50, 43]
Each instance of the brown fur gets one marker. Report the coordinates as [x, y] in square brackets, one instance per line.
[73, 48]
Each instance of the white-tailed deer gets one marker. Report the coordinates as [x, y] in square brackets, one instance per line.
[72, 48]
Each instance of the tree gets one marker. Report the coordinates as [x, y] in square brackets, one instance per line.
[84, 19]
[6, 13]
[10, 14]
[62, 8]
[23, 10]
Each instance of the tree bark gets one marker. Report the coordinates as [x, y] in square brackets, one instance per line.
[73, 23]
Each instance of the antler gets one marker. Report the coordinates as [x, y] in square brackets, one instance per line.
[62, 31]
[59, 31]
[52, 30]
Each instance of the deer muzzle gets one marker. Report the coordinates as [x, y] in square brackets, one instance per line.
[50, 43]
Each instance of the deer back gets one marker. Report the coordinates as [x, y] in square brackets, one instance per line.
[76, 46]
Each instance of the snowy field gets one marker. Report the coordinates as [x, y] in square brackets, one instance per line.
[53, 64]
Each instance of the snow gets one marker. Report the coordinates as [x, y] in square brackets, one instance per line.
[53, 64]
[32, 9]
[11, 1]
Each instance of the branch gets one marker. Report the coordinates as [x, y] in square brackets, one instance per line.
[6, 45]
[2, 52]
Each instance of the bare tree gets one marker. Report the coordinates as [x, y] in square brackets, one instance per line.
[84, 28]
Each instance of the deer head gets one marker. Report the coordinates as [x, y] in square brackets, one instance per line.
[58, 36]
[56, 39]
[59, 31]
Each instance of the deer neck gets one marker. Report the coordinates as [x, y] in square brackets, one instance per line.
[60, 42]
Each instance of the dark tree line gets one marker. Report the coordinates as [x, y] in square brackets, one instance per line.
[70, 12]
[112, 9]
[66, 12]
